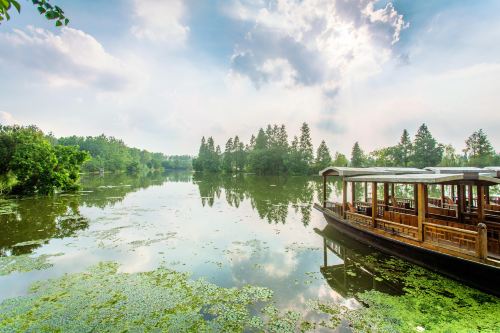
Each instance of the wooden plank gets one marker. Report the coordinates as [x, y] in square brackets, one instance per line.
[471, 197]
[445, 227]
[386, 196]
[420, 211]
[461, 202]
[366, 191]
[442, 195]
[374, 205]
[487, 194]
[344, 197]
[482, 243]
[480, 203]
[353, 192]
[415, 198]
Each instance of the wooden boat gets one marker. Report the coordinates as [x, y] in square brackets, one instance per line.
[457, 234]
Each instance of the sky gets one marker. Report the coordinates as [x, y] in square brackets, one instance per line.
[160, 74]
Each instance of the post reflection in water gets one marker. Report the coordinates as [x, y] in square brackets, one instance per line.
[360, 268]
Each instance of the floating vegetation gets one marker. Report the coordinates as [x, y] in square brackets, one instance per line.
[103, 300]
[25, 263]
[147, 242]
[430, 303]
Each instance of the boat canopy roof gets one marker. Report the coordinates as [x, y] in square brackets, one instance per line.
[348, 171]
[429, 178]
[455, 170]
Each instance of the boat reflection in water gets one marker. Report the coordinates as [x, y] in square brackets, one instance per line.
[361, 268]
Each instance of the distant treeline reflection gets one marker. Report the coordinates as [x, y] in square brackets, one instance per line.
[270, 196]
[27, 223]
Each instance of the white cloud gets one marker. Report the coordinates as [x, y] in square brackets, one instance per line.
[160, 21]
[69, 58]
[324, 42]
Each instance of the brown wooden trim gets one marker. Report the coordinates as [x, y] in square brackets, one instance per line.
[374, 205]
[421, 211]
[344, 196]
[353, 192]
[407, 240]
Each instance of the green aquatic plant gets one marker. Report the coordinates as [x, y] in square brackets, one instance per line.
[25, 263]
[430, 303]
[105, 300]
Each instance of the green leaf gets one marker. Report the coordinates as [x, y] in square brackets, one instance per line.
[41, 10]
[58, 23]
[17, 5]
[66, 21]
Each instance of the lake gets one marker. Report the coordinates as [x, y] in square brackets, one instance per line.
[230, 231]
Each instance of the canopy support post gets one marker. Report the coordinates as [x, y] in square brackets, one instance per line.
[471, 197]
[386, 196]
[421, 210]
[442, 195]
[366, 191]
[353, 192]
[374, 205]
[344, 198]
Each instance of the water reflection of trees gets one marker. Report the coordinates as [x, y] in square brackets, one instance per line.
[39, 219]
[29, 222]
[270, 196]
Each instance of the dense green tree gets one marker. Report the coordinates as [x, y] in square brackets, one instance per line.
[426, 151]
[294, 162]
[358, 158]
[305, 145]
[112, 155]
[478, 149]
[227, 159]
[450, 157]
[385, 157]
[340, 160]
[239, 154]
[402, 152]
[323, 157]
[31, 164]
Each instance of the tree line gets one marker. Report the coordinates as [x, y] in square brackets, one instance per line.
[109, 154]
[32, 162]
[425, 151]
[270, 152]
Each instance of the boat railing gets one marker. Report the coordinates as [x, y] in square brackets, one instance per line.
[461, 240]
[397, 228]
[493, 231]
[334, 207]
[441, 231]
[406, 203]
[359, 219]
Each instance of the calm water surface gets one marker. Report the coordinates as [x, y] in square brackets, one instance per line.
[230, 230]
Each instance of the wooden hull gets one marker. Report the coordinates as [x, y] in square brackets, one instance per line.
[478, 275]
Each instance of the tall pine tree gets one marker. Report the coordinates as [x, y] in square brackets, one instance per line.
[357, 156]
[426, 151]
[478, 150]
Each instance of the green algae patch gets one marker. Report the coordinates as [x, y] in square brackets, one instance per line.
[25, 263]
[429, 303]
[104, 300]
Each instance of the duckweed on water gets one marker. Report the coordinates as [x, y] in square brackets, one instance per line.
[25, 263]
[430, 303]
[103, 300]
